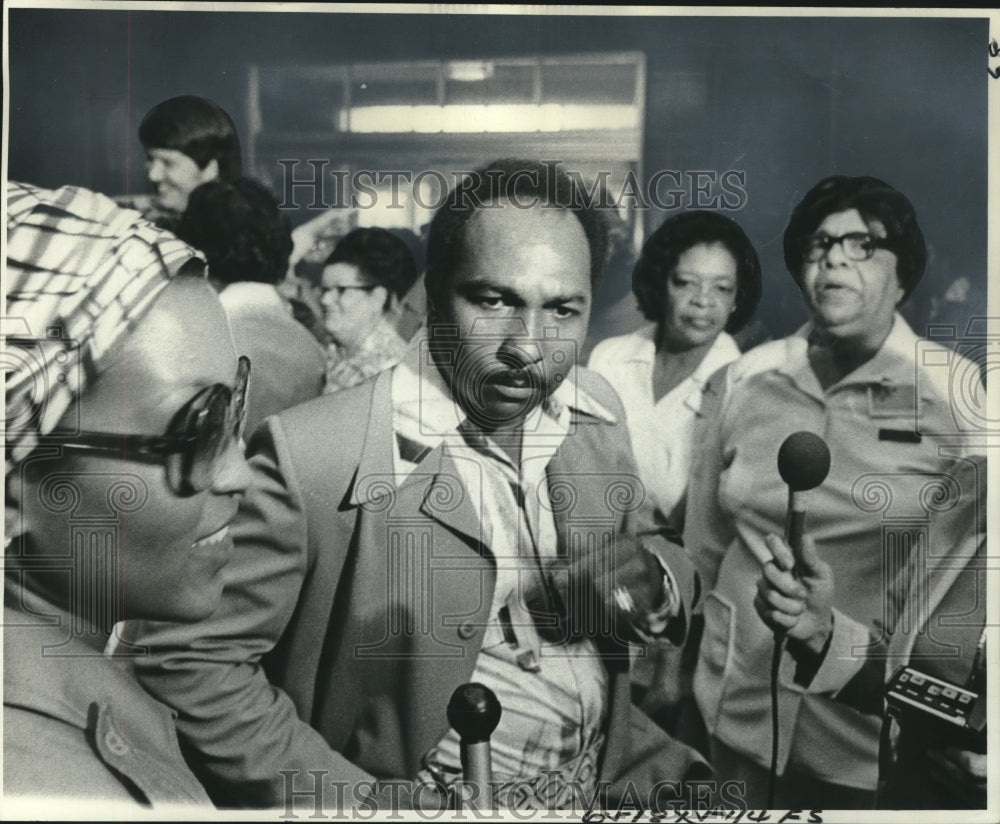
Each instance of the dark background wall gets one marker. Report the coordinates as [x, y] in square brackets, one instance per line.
[786, 100]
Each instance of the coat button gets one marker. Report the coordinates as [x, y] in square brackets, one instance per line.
[115, 743]
[466, 630]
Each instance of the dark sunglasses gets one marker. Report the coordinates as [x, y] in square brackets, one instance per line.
[196, 442]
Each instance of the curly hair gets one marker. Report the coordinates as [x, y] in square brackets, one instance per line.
[240, 230]
[876, 201]
[523, 182]
[382, 259]
[678, 234]
[196, 127]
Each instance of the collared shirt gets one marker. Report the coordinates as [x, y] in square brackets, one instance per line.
[554, 697]
[884, 423]
[661, 431]
[382, 349]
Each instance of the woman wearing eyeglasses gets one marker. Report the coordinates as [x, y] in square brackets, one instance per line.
[364, 281]
[857, 376]
[125, 404]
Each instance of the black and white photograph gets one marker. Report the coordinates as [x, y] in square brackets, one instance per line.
[455, 412]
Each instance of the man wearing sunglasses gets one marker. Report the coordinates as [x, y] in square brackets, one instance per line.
[472, 515]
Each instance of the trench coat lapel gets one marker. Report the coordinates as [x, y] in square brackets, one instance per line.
[435, 489]
[447, 499]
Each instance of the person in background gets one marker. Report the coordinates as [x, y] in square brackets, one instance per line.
[857, 376]
[188, 141]
[363, 282]
[314, 241]
[113, 510]
[941, 632]
[696, 281]
[246, 241]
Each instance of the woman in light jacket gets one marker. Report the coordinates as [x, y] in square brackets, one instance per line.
[123, 470]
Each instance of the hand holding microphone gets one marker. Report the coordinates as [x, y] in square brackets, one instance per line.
[794, 588]
[795, 591]
[798, 607]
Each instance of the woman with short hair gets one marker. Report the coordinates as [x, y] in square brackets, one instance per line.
[697, 281]
[363, 283]
[857, 376]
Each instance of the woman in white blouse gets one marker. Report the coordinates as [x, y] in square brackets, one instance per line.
[697, 279]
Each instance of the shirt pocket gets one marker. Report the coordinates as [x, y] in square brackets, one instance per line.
[716, 656]
[897, 414]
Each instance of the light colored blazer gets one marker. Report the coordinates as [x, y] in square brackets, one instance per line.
[366, 604]
[876, 484]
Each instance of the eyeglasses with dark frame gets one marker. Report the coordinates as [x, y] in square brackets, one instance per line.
[857, 246]
[198, 438]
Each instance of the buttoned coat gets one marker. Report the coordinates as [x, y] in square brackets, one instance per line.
[77, 726]
[355, 606]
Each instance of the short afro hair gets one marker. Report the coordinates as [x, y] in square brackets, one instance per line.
[874, 200]
[522, 182]
[676, 236]
[240, 230]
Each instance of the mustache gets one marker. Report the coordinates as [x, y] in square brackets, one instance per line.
[515, 376]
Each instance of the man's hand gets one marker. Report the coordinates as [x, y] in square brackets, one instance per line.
[798, 607]
[305, 236]
[635, 569]
[587, 587]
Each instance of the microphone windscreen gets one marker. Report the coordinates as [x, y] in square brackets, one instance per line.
[803, 461]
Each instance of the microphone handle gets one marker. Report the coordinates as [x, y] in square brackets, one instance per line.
[477, 770]
[795, 526]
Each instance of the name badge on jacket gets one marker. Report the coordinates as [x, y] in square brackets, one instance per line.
[901, 404]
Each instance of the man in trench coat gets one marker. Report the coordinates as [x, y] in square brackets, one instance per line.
[473, 514]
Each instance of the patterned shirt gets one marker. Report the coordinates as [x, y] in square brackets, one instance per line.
[554, 696]
[382, 349]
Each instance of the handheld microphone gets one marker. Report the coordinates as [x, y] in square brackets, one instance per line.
[803, 463]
